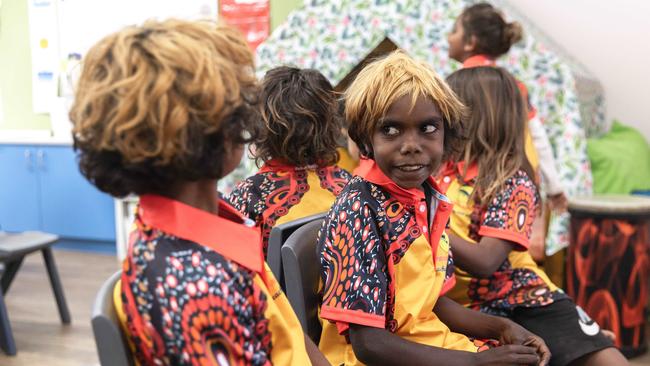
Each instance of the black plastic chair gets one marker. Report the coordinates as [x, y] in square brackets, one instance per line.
[277, 238]
[111, 342]
[301, 272]
[13, 249]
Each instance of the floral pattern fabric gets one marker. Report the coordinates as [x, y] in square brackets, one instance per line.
[333, 36]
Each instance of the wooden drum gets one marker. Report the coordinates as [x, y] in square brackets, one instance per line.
[608, 265]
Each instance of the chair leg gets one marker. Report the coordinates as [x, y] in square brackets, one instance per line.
[10, 272]
[6, 336]
[57, 288]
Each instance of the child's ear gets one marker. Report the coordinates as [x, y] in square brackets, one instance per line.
[470, 46]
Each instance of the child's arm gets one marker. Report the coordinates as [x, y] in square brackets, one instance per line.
[376, 346]
[482, 259]
[479, 325]
[505, 225]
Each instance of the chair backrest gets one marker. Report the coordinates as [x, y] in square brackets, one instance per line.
[301, 272]
[279, 235]
[112, 346]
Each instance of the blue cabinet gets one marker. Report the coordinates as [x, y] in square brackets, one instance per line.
[19, 192]
[41, 188]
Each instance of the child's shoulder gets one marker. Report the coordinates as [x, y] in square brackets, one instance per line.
[519, 186]
[362, 192]
[339, 172]
[520, 178]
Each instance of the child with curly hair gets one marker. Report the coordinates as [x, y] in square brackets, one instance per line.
[297, 145]
[162, 111]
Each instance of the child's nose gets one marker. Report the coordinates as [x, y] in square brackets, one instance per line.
[411, 144]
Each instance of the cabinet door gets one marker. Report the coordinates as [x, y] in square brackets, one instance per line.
[72, 207]
[19, 209]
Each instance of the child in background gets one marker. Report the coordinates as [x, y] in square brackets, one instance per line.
[495, 200]
[160, 111]
[297, 145]
[384, 254]
[480, 36]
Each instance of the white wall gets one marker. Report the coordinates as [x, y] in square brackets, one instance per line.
[611, 38]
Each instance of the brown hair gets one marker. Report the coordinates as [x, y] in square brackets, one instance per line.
[494, 36]
[382, 83]
[302, 123]
[159, 103]
[495, 127]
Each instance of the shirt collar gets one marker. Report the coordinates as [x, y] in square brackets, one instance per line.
[226, 234]
[373, 174]
[280, 164]
[457, 170]
[479, 60]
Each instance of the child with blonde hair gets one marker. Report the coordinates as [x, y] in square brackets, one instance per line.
[384, 254]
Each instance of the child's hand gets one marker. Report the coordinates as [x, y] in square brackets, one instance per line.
[513, 333]
[558, 202]
[508, 355]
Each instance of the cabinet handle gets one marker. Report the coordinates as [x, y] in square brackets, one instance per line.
[28, 159]
[40, 159]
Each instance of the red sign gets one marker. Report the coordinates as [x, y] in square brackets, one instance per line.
[250, 16]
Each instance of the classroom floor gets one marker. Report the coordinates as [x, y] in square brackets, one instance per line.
[41, 338]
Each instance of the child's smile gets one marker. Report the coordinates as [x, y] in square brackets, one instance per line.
[408, 144]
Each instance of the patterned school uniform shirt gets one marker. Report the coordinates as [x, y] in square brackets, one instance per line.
[281, 193]
[531, 152]
[385, 260]
[518, 281]
[195, 290]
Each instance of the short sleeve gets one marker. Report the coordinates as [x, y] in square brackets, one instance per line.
[353, 264]
[511, 213]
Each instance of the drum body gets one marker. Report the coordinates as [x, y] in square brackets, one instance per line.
[608, 265]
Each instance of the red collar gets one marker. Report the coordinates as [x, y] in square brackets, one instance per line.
[478, 60]
[452, 170]
[364, 166]
[226, 234]
[280, 164]
[373, 174]
[432, 231]
[458, 169]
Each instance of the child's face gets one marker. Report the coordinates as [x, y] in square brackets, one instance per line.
[408, 144]
[456, 42]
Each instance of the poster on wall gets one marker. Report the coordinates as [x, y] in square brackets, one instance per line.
[250, 16]
[43, 39]
[81, 23]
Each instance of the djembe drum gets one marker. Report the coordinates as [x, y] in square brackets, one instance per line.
[608, 266]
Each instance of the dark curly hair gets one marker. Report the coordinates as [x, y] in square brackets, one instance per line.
[494, 36]
[301, 115]
[162, 103]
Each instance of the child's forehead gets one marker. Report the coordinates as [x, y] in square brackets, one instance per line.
[407, 103]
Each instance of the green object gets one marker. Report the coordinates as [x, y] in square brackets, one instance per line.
[620, 160]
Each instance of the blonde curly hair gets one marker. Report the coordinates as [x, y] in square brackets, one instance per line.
[159, 103]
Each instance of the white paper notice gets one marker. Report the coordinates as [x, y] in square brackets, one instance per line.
[45, 53]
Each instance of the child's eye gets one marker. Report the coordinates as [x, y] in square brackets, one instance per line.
[390, 131]
[429, 128]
